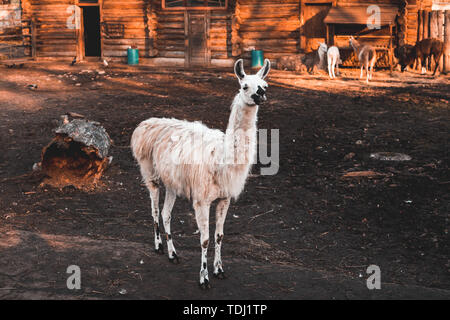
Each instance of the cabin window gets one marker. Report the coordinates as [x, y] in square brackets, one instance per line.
[5, 1]
[195, 4]
[87, 1]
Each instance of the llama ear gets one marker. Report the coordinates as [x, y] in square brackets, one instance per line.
[264, 71]
[239, 69]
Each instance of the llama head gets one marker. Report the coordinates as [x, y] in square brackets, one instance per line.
[253, 87]
[352, 41]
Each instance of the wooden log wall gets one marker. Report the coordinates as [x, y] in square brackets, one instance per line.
[268, 25]
[171, 38]
[10, 23]
[402, 24]
[170, 31]
[53, 36]
[15, 31]
[129, 24]
[220, 34]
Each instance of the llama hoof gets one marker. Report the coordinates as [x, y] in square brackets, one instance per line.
[205, 285]
[159, 250]
[174, 259]
[220, 274]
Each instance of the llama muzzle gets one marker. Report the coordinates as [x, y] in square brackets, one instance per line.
[260, 96]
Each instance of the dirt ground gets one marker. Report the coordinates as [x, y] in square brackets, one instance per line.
[306, 232]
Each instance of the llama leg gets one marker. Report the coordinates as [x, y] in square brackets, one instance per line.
[419, 63]
[221, 213]
[166, 216]
[154, 196]
[333, 67]
[436, 59]
[153, 187]
[362, 68]
[202, 217]
[367, 72]
[329, 68]
[371, 69]
[424, 65]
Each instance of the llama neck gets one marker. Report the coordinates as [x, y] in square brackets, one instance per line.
[240, 137]
[356, 46]
[321, 58]
[242, 117]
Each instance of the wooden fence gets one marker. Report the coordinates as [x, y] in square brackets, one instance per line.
[436, 24]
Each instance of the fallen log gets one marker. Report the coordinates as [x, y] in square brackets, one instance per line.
[77, 155]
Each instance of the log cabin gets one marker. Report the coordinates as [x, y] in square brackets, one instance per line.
[212, 32]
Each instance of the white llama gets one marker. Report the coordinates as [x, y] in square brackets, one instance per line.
[333, 58]
[367, 56]
[201, 164]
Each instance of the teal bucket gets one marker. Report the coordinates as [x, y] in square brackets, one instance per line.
[133, 56]
[257, 58]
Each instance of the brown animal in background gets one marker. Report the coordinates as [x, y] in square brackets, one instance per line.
[313, 59]
[367, 56]
[406, 56]
[426, 48]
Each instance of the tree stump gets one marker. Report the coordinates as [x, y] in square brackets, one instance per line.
[77, 155]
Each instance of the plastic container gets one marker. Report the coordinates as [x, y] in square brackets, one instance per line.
[133, 56]
[257, 58]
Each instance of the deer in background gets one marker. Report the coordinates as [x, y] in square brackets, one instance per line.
[366, 55]
[201, 164]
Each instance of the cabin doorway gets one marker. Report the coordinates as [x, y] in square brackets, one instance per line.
[197, 30]
[91, 31]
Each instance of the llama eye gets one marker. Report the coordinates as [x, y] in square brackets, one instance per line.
[245, 87]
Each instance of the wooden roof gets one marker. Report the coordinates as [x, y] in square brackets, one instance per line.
[359, 15]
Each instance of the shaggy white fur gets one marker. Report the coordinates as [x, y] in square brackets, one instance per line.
[200, 163]
[333, 58]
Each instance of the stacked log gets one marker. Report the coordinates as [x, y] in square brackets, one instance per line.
[433, 33]
[419, 25]
[447, 42]
[440, 35]
[269, 25]
[426, 24]
[402, 24]
[124, 26]
[150, 23]
[236, 41]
